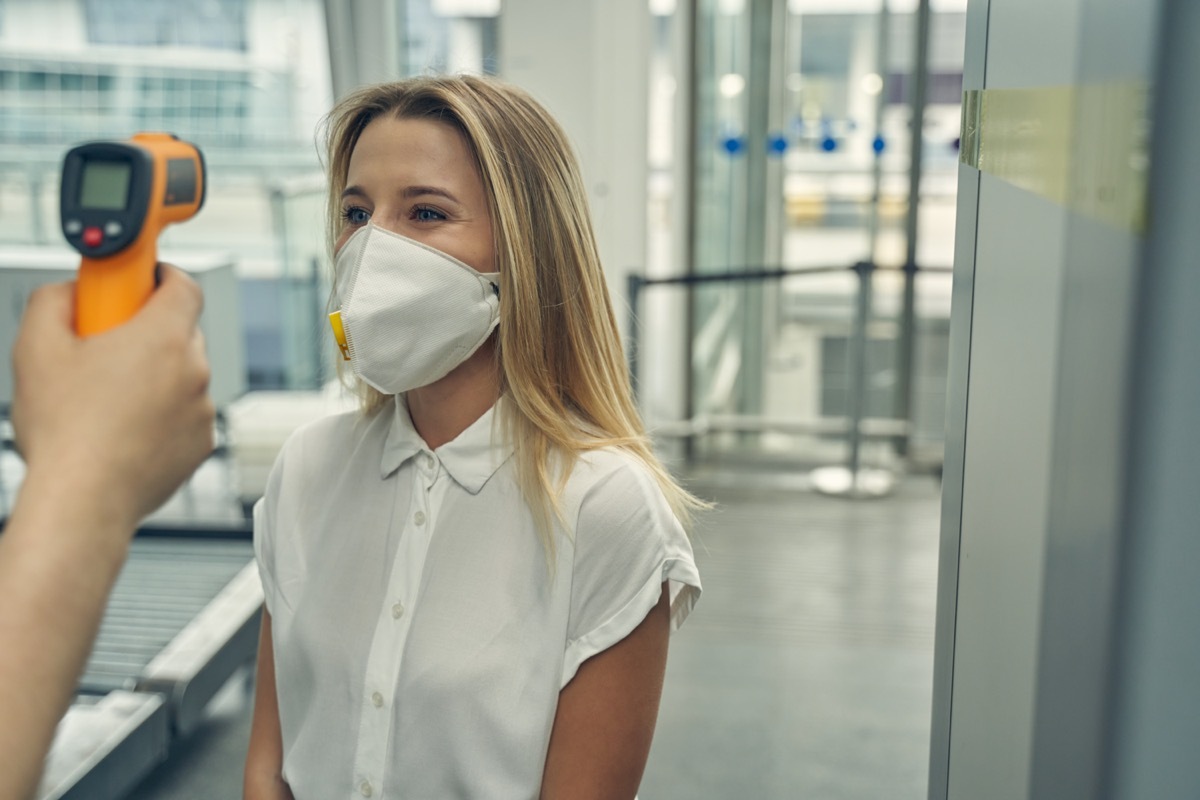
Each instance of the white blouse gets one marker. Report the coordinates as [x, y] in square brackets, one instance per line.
[420, 640]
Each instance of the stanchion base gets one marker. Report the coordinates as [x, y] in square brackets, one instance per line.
[841, 482]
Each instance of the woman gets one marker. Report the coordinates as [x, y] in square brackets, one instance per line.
[469, 585]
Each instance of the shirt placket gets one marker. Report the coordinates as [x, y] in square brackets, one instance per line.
[392, 627]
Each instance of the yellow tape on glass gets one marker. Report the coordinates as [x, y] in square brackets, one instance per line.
[1084, 147]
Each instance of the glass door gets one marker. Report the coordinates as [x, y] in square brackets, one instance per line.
[736, 41]
[802, 117]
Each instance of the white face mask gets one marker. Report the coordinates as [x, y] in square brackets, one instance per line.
[409, 314]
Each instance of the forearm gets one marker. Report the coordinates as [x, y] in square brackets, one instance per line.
[264, 757]
[58, 560]
[605, 719]
[265, 786]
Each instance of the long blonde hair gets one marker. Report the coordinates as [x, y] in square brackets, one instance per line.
[559, 351]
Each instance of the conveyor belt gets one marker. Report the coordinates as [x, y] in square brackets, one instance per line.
[182, 618]
[105, 745]
[164, 586]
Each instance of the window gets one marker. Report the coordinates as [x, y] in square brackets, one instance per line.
[215, 24]
[449, 35]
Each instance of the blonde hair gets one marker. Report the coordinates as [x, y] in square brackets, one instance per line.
[559, 351]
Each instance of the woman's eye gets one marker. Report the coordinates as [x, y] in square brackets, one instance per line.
[427, 214]
[356, 216]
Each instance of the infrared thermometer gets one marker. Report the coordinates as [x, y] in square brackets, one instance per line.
[115, 200]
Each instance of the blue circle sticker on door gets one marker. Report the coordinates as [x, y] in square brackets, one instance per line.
[733, 145]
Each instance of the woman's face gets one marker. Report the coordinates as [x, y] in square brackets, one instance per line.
[417, 177]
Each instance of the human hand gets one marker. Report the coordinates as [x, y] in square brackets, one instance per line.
[120, 419]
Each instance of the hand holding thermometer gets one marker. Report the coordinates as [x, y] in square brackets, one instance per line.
[116, 198]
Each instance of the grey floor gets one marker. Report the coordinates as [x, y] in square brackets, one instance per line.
[804, 672]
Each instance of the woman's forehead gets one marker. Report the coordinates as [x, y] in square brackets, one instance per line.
[412, 143]
[412, 149]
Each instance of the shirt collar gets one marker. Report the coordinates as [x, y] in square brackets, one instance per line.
[472, 458]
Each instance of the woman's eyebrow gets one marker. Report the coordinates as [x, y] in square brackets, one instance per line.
[417, 191]
[354, 191]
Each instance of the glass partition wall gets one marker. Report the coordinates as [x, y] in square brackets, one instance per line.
[802, 120]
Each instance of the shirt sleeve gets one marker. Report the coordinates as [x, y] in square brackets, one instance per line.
[265, 535]
[627, 544]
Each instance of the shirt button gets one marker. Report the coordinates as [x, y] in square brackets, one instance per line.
[419, 517]
[365, 789]
[428, 461]
[397, 611]
[377, 699]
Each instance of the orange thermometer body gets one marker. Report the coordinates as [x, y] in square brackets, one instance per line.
[116, 198]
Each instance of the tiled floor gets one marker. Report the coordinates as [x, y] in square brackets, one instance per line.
[806, 669]
[804, 672]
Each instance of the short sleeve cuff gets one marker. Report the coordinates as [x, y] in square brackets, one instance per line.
[264, 572]
[684, 586]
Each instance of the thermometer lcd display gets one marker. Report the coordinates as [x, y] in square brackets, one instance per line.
[104, 185]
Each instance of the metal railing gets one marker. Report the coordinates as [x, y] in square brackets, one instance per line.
[851, 479]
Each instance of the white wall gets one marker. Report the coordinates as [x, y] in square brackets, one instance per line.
[588, 63]
[290, 35]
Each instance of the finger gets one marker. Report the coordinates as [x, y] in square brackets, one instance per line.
[177, 296]
[49, 316]
[200, 361]
[52, 303]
